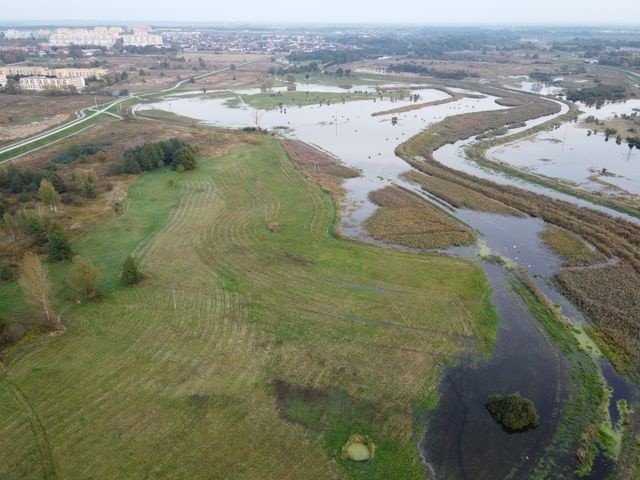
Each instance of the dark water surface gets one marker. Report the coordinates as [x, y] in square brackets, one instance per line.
[463, 441]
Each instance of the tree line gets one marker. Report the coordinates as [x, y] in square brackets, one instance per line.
[173, 153]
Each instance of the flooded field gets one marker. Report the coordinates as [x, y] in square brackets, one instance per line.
[462, 440]
[570, 153]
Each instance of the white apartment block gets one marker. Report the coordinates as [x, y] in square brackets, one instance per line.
[141, 39]
[41, 78]
[30, 71]
[98, 36]
[13, 34]
[46, 83]
[103, 37]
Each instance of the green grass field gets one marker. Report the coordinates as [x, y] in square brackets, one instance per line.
[268, 101]
[177, 377]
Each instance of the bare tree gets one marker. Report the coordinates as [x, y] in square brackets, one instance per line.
[37, 291]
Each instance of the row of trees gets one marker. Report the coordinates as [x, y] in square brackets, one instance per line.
[432, 72]
[597, 95]
[22, 180]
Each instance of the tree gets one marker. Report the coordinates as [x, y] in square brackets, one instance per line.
[85, 276]
[59, 246]
[37, 291]
[130, 273]
[49, 195]
[86, 183]
[11, 224]
[184, 159]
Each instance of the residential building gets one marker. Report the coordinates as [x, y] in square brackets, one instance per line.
[45, 83]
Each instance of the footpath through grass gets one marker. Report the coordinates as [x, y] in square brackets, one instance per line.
[247, 288]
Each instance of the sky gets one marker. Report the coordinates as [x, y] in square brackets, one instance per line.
[465, 12]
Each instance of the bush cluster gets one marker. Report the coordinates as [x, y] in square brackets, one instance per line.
[173, 153]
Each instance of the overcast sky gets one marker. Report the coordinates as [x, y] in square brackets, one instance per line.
[327, 11]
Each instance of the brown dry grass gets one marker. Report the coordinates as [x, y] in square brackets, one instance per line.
[13, 108]
[24, 115]
[319, 167]
[460, 196]
[418, 106]
[611, 298]
[155, 78]
[571, 248]
[405, 219]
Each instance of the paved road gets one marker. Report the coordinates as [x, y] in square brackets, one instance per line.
[89, 113]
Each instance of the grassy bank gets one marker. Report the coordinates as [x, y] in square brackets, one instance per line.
[271, 100]
[585, 426]
[246, 286]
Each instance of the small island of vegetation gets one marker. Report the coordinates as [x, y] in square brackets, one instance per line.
[514, 412]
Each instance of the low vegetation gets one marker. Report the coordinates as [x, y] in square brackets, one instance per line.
[460, 196]
[405, 219]
[585, 413]
[571, 248]
[609, 296]
[318, 166]
[514, 412]
[228, 306]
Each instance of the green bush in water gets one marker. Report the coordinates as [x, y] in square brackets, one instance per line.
[514, 412]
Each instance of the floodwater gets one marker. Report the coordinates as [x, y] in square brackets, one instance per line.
[523, 83]
[462, 440]
[569, 153]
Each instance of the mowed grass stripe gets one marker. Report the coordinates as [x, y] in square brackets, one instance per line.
[172, 378]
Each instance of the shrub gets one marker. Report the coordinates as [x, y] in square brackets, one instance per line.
[130, 273]
[37, 230]
[514, 412]
[7, 273]
[59, 246]
[185, 157]
[84, 277]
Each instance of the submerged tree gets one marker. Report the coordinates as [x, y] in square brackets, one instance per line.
[130, 273]
[37, 291]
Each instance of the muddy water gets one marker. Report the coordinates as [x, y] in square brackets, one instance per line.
[462, 440]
